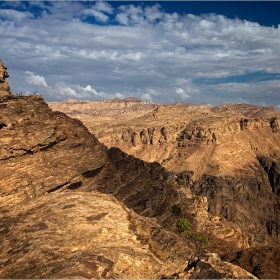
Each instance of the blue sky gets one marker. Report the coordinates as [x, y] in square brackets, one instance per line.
[166, 51]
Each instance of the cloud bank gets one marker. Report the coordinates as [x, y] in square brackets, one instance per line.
[97, 50]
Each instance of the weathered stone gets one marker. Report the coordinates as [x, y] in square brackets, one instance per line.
[71, 208]
[81, 235]
[4, 86]
[263, 262]
[36, 144]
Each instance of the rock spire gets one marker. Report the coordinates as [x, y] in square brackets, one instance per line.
[4, 85]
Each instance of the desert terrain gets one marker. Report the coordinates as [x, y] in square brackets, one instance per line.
[129, 189]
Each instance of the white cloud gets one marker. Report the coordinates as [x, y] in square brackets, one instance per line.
[146, 97]
[13, 15]
[35, 79]
[98, 15]
[89, 89]
[122, 18]
[182, 93]
[153, 13]
[149, 54]
[130, 14]
[119, 95]
[241, 100]
[103, 6]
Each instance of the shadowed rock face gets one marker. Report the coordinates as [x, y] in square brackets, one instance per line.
[4, 86]
[228, 153]
[71, 208]
[263, 262]
[54, 221]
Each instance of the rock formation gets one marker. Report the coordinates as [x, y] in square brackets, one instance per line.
[36, 144]
[263, 261]
[71, 208]
[4, 86]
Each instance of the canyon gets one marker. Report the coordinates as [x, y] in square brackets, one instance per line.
[132, 189]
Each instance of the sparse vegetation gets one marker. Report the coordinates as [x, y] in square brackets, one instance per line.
[201, 237]
[176, 209]
[167, 159]
[185, 233]
[250, 242]
[181, 182]
[184, 224]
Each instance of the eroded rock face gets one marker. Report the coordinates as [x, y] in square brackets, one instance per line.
[55, 223]
[81, 235]
[263, 262]
[36, 144]
[210, 266]
[4, 86]
[71, 209]
[215, 151]
[229, 154]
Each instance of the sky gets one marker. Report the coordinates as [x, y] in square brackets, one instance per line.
[164, 52]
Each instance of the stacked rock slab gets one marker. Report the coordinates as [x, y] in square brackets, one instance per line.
[4, 86]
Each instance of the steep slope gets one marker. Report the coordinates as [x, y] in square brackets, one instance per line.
[64, 207]
[228, 153]
[36, 144]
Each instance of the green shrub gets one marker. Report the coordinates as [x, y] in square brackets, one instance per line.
[250, 242]
[166, 159]
[185, 233]
[176, 209]
[201, 237]
[181, 182]
[184, 224]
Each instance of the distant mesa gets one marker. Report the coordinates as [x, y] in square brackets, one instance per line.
[4, 86]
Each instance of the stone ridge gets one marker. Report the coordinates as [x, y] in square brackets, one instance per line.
[4, 86]
[55, 223]
[71, 208]
[228, 153]
[37, 143]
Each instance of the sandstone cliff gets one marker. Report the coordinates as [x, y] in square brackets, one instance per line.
[217, 152]
[228, 153]
[71, 208]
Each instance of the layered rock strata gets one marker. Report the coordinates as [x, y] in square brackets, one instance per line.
[55, 223]
[4, 86]
[72, 208]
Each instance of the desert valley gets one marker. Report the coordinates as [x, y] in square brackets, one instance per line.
[123, 188]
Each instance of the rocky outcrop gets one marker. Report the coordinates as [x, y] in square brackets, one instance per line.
[218, 152]
[272, 168]
[82, 235]
[248, 203]
[4, 86]
[263, 262]
[210, 266]
[36, 144]
[71, 208]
